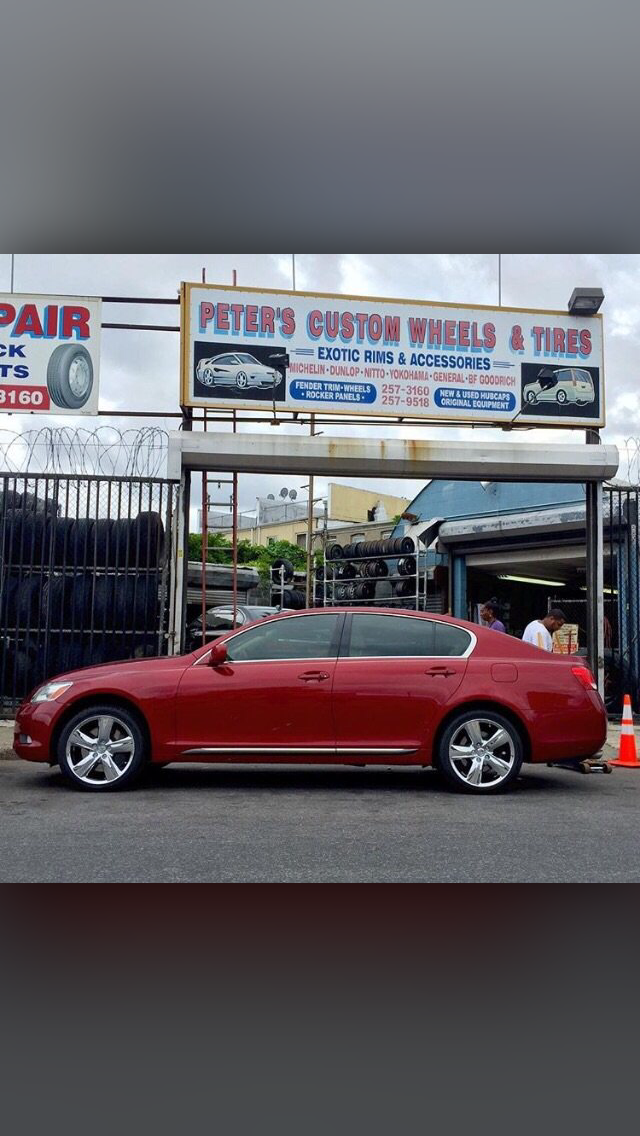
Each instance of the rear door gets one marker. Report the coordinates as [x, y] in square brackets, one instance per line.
[395, 673]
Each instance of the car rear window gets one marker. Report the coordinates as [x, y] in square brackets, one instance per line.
[376, 636]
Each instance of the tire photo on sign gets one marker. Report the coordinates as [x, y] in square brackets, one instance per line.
[70, 376]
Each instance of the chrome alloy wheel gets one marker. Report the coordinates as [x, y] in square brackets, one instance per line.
[100, 749]
[482, 753]
[79, 376]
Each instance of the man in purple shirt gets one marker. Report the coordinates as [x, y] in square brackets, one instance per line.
[489, 613]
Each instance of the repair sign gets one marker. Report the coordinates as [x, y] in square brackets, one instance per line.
[49, 353]
[292, 351]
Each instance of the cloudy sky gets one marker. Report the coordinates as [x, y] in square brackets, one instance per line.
[140, 370]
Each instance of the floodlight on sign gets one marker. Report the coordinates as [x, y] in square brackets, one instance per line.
[585, 301]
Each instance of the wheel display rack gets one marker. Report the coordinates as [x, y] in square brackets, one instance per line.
[389, 573]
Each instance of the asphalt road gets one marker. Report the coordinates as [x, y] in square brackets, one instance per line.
[207, 823]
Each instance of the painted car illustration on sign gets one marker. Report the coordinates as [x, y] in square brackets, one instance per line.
[239, 370]
[561, 385]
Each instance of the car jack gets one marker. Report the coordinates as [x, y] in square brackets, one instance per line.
[586, 765]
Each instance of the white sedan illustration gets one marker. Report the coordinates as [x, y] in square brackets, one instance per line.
[560, 385]
[238, 370]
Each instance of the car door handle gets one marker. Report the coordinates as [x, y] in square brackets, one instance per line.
[313, 676]
[444, 672]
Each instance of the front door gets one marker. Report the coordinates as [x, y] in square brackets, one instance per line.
[271, 700]
[394, 675]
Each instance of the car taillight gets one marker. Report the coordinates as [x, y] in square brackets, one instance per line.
[584, 676]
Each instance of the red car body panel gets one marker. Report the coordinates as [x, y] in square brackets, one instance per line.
[332, 710]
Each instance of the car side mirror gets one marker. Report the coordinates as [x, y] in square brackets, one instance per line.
[218, 655]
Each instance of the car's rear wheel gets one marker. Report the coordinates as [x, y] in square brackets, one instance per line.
[102, 748]
[208, 378]
[480, 751]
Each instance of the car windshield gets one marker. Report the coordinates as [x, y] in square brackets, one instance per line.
[246, 358]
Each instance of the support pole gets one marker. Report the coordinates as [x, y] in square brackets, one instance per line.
[234, 537]
[595, 573]
[459, 596]
[310, 591]
[182, 560]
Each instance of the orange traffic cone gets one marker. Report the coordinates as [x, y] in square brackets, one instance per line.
[627, 755]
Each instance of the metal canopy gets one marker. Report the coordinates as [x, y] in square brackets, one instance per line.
[375, 457]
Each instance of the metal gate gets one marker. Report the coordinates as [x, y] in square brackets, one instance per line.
[622, 596]
[85, 574]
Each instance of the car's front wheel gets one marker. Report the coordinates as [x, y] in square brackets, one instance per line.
[531, 397]
[242, 380]
[561, 397]
[480, 752]
[101, 748]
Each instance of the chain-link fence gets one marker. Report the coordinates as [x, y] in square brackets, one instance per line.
[85, 574]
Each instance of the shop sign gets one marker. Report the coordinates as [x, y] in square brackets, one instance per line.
[49, 354]
[335, 354]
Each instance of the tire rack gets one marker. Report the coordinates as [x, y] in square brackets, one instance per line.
[417, 598]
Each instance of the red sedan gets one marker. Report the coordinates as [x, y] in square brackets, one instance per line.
[346, 686]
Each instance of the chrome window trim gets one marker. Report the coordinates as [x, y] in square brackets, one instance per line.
[350, 658]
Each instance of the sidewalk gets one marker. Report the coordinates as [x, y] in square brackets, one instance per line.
[610, 749]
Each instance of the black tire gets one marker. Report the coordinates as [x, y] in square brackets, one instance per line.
[102, 542]
[133, 770]
[80, 549]
[365, 590]
[455, 726]
[123, 545]
[21, 675]
[407, 566]
[27, 539]
[147, 547]
[124, 603]
[8, 601]
[407, 547]
[60, 374]
[335, 552]
[275, 570]
[61, 530]
[28, 601]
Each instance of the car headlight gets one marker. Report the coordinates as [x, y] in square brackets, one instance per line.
[50, 691]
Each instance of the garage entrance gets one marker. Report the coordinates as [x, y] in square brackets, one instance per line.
[591, 463]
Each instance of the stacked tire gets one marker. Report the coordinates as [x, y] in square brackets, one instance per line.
[74, 591]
